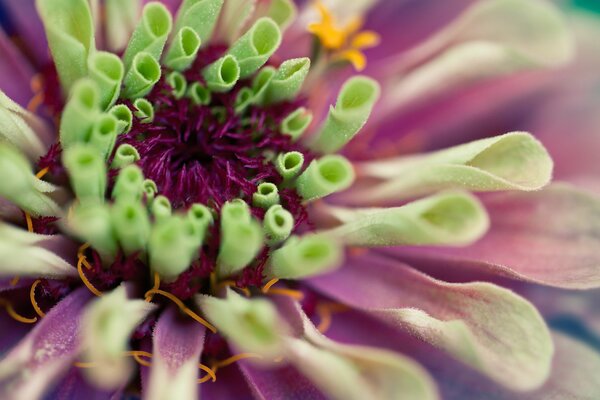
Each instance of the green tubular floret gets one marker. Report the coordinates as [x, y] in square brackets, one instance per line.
[352, 109]
[305, 256]
[288, 80]
[289, 165]
[241, 238]
[282, 12]
[70, 32]
[254, 48]
[129, 184]
[172, 247]
[142, 76]
[261, 82]
[150, 35]
[327, 175]
[178, 84]
[199, 94]
[183, 49]
[144, 110]
[80, 113]
[202, 217]
[123, 114]
[223, 74]
[295, 124]
[92, 224]
[87, 172]
[104, 134]
[131, 224]
[20, 186]
[266, 195]
[277, 224]
[149, 189]
[200, 15]
[161, 208]
[106, 70]
[244, 98]
[125, 155]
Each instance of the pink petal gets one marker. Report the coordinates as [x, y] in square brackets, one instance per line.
[47, 352]
[548, 237]
[23, 15]
[177, 345]
[513, 348]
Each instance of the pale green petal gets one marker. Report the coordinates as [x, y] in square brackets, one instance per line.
[19, 185]
[80, 113]
[173, 245]
[21, 128]
[260, 83]
[254, 48]
[151, 33]
[357, 372]
[449, 219]
[514, 161]
[142, 76]
[278, 224]
[107, 326]
[70, 32]
[283, 12]
[352, 109]
[125, 155]
[87, 173]
[234, 16]
[104, 134]
[124, 115]
[200, 15]
[223, 74]
[289, 165]
[251, 325]
[144, 110]
[295, 124]
[121, 19]
[305, 256]
[288, 80]
[27, 256]
[91, 223]
[327, 175]
[131, 224]
[266, 195]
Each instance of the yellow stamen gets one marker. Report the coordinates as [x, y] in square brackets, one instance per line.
[84, 279]
[80, 364]
[155, 287]
[325, 311]
[34, 303]
[210, 373]
[29, 222]
[14, 315]
[36, 83]
[268, 285]
[355, 57]
[235, 358]
[365, 40]
[137, 355]
[35, 102]
[183, 308]
[82, 249]
[41, 173]
[294, 294]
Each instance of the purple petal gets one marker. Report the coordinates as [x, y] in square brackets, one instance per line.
[15, 72]
[177, 345]
[46, 352]
[28, 26]
[75, 386]
[551, 237]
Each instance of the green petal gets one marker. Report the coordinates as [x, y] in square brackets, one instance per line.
[514, 161]
[21, 187]
[277, 224]
[254, 48]
[327, 175]
[21, 128]
[352, 109]
[261, 82]
[125, 155]
[289, 165]
[266, 195]
[200, 15]
[173, 246]
[296, 123]
[129, 184]
[131, 224]
[161, 208]
[70, 32]
[91, 223]
[142, 76]
[178, 84]
[283, 12]
[123, 114]
[305, 256]
[144, 110]
[149, 189]
[250, 325]
[87, 172]
[104, 134]
[183, 49]
[223, 74]
[288, 80]
[199, 94]
[80, 113]
[202, 217]
[151, 33]
[106, 70]
[107, 326]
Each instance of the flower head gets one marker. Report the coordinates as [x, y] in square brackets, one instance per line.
[183, 204]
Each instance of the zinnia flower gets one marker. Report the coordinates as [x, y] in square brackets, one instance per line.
[179, 219]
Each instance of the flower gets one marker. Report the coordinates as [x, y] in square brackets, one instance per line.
[174, 210]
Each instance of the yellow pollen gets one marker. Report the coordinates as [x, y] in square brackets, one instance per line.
[34, 303]
[344, 42]
[182, 307]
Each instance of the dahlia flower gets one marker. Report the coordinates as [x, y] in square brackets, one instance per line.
[192, 208]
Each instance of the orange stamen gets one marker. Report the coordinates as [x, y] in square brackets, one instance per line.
[29, 222]
[210, 373]
[14, 315]
[138, 354]
[85, 280]
[155, 287]
[42, 172]
[325, 311]
[80, 364]
[268, 285]
[34, 303]
[35, 102]
[82, 249]
[14, 281]
[294, 294]
[235, 358]
[232, 284]
[182, 307]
